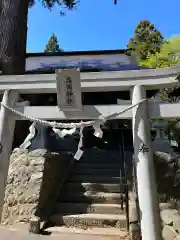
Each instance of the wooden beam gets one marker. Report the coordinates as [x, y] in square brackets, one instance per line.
[156, 110]
[7, 124]
[95, 81]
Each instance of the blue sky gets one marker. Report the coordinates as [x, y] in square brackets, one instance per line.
[99, 24]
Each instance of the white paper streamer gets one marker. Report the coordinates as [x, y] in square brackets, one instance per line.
[72, 126]
[98, 132]
[64, 132]
[22, 104]
[79, 152]
[27, 141]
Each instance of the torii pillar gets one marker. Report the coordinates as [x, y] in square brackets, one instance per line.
[146, 182]
[7, 125]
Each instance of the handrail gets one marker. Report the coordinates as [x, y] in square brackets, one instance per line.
[125, 183]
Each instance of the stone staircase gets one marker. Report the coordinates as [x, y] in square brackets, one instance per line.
[92, 195]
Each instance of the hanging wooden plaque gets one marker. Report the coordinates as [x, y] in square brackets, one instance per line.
[69, 89]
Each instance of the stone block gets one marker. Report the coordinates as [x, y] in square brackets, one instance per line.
[177, 237]
[171, 217]
[134, 231]
[34, 226]
[168, 233]
[133, 213]
[164, 206]
[176, 223]
[34, 181]
[167, 216]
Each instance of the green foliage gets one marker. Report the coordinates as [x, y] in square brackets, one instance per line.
[146, 40]
[70, 4]
[174, 129]
[169, 55]
[52, 45]
[166, 96]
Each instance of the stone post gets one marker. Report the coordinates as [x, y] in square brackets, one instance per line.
[146, 184]
[7, 124]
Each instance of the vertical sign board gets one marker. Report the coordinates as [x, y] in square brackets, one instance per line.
[69, 89]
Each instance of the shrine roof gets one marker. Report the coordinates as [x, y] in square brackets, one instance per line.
[87, 61]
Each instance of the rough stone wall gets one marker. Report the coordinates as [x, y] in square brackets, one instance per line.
[170, 222]
[34, 182]
[167, 167]
[170, 219]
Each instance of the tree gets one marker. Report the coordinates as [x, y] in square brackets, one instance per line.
[169, 55]
[52, 45]
[146, 40]
[13, 31]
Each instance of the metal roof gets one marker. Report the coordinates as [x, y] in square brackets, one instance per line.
[104, 60]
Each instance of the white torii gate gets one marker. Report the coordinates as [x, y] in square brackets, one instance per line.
[136, 81]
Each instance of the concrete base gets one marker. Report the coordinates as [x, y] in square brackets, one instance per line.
[35, 225]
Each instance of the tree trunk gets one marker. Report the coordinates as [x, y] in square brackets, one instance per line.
[13, 34]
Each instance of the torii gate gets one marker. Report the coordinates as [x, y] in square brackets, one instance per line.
[137, 82]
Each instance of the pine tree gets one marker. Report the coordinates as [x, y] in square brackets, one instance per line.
[146, 40]
[53, 45]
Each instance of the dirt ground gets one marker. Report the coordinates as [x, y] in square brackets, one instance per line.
[21, 233]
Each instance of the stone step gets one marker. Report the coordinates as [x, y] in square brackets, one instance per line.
[90, 197]
[105, 158]
[100, 152]
[93, 179]
[101, 156]
[96, 187]
[77, 208]
[101, 160]
[92, 232]
[97, 165]
[97, 171]
[90, 219]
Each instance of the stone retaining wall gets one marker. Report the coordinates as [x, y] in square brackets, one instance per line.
[170, 218]
[34, 182]
[170, 222]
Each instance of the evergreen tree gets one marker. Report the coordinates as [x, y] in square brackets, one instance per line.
[146, 40]
[13, 31]
[52, 45]
[168, 56]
